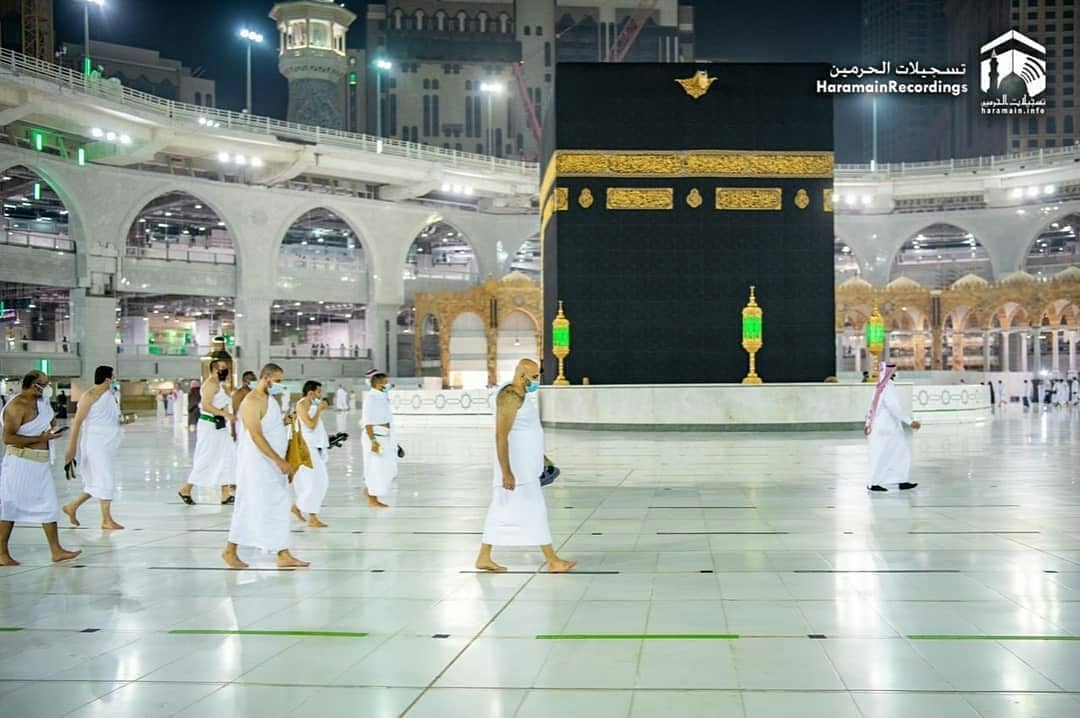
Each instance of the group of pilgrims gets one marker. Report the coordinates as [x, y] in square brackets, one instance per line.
[241, 448]
[242, 441]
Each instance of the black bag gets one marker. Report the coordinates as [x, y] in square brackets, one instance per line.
[551, 472]
[220, 422]
[400, 452]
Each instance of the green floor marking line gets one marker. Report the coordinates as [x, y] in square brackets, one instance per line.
[10, 629]
[637, 636]
[306, 634]
[932, 637]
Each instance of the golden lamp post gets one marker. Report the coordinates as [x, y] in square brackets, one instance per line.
[751, 336]
[875, 340]
[560, 343]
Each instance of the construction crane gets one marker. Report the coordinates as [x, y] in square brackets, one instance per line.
[530, 109]
[630, 31]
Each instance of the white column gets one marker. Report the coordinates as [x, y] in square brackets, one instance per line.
[1054, 336]
[1072, 352]
[839, 353]
[1022, 341]
[252, 333]
[382, 336]
[986, 352]
[1005, 351]
[1036, 351]
[93, 321]
[858, 357]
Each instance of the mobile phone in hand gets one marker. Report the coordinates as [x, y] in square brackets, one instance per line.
[62, 430]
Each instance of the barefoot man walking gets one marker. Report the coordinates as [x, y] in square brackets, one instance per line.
[261, 516]
[518, 515]
[95, 436]
[27, 493]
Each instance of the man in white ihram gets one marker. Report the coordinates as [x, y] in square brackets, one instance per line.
[213, 463]
[518, 515]
[95, 438]
[27, 493]
[890, 454]
[261, 516]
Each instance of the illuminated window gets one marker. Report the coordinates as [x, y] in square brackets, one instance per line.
[320, 34]
[297, 34]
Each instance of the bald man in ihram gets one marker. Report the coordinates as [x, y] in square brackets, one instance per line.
[518, 515]
[263, 499]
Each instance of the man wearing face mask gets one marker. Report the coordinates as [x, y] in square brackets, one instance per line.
[261, 517]
[95, 437]
[213, 464]
[311, 484]
[518, 515]
[380, 448]
[27, 493]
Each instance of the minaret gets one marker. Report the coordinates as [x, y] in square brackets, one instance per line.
[313, 57]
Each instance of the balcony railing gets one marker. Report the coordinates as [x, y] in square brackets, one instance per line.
[181, 115]
[182, 254]
[1047, 157]
[37, 240]
[15, 345]
[281, 351]
[160, 350]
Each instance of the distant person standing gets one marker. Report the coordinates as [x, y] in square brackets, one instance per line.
[890, 454]
[95, 437]
[341, 407]
[1026, 397]
[1002, 399]
[159, 404]
[194, 398]
[517, 515]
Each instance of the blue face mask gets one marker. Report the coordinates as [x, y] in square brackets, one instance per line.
[276, 389]
[252, 385]
[386, 388]
[115, 386]
[533, 386]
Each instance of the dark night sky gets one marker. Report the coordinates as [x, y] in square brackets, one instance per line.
[202, 33]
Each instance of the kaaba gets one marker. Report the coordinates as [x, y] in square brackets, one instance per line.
[667, 191]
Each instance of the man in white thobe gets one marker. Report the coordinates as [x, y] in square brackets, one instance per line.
[27, 492]
[1074, 391]
[517, 515]
[379, 444]
[1001, 398]
[95, 437]
[341, 407]
[261, 516]
[890, 454]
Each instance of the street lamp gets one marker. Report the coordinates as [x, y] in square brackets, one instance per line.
[251, 38]
[490, 89]
[381, 65]
[86, 32]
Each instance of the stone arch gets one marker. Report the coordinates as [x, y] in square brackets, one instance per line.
[195, 219]
[76, 229]
[355, 247]
[441, 243]
[147, 198]
[1060, 235]
[468, 351]
[939, 253]
[518, 337]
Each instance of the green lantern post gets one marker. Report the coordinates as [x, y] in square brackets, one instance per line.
[560, 343]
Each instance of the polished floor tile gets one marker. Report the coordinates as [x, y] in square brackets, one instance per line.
[719, 575]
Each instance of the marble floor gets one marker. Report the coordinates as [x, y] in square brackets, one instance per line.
[719, 575]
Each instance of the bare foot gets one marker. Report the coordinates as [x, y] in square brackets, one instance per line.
[315, 523]
[287, 560]
[560, 566]
[490, 565]
[296, 512]
[111, 526]
[373, 501]
[8, 561]
[64, 555]
[232, 560]
[67, 509]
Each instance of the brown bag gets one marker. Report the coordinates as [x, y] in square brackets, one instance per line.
[297, 454]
